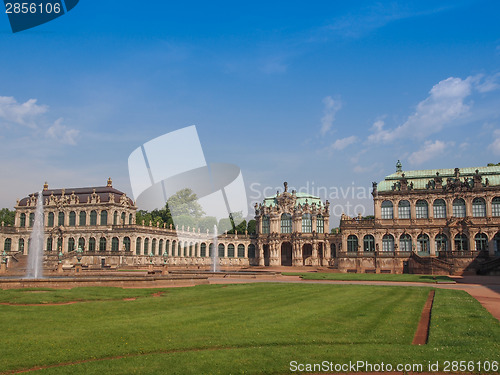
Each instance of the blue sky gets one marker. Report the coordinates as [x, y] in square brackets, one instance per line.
[329, 94]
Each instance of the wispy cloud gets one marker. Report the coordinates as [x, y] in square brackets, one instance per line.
[429, 151]
[331, 107]
[20, 113]
[342, 143]
[62, 133]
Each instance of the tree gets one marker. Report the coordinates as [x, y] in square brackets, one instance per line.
[252, 227]
[7, 216]
[185, 202]
[492, 164]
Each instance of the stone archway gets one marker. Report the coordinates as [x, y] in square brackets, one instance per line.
[286, 254]
[266, 255]
[307, 254]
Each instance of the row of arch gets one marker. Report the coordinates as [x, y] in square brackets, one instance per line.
[72, 218]
[286, 223]
[422, 245]
[439, 208]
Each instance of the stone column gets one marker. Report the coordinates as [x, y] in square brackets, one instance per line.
[314, 256]
[260, 250]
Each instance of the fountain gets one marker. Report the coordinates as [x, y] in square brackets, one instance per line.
[215, 259]
[35, 249]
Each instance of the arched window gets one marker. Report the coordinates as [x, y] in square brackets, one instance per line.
[241, 251]
[179, 248]
[60, 219]
[196, 254]
[388, 242]
[191, 249]
[93, 217]
[126, 243]
[320, 224]
[203, 249]
[185, 251]
[333, 250]
[368, 243]
[22, 220]
[138, 242]
[115, 218]
[130, 218]
[461, 242]
[265, 224]
[251, 250]
[32, 219]
[91, 244]
[146, 246]
[478, 207]
[211, 250]
[7, 244]
[404, 210]
[439, 209]
[72, 219]
[286, 223]
[115, 244]
[59, 244]
[441, 242]
[422, 209]
[153, 246]
[71, 244]
[387, 210]
[104, 217]
[481, 240]
[496, 241]
[174, 248]
[167, 247]
[50, 220]
[306, 224]
[160, 247]
[423, 243]
[405, 242]
[230, 250]
[21, 245]
[459, 207]
[81, 243]
[495, 206]
[83, 218]
[221, 250]
[102, 244]
[49, 244]
[352, 243]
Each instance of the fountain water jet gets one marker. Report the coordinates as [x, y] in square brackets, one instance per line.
[35, 249]
[215, 259]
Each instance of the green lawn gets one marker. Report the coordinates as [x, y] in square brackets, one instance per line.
[369, 277]
[240, 328]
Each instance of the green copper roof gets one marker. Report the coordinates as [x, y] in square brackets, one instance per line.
[421, 178]
[301, 199]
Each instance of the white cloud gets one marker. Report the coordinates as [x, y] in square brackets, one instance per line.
[62, 133]
[490, 84]
[331, 108]
[494, 147]
[20, 113]
[429, 151]
[342, 143]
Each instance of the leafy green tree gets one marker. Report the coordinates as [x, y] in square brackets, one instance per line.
[252, 227]
[7, 216]
[185, 202]
[493, 164]
[207, 222]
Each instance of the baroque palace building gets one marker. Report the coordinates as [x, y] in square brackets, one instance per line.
[426, 221]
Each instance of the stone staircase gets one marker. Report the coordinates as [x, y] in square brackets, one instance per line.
[429, 265]
[490, 267]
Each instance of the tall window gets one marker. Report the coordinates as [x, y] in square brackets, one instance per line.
[32, 219]
[352, 243]
[461, 242]
[388, 242]
[459, 207]
[114, 244]
[72, 219]
[93, 217]
[115, 218]
[104, 217]
[60, 219]
[146, 246]
[203, 249]
[92, 244]
[496, 241]
[122, 216]
[126, 243]
[265, 224]
[387, 210]
[368, 243]
[405, 242]
[230, 250]
[102, 244]
[71, 244]
[83, 218]
[138, 246]
[306, 224]
[481, 242]
[333, 250]
[7, 245]
[174, 244]
[441, 242]
[478, 207]
[251, 250]
[221, 250]
[49, 244]
[404, 210]
[320, 224]
[129, 219]
[153, 246]
[81, 243]
[167, 247]
[439, 209]
[495, 206]
[160, 247]
[423, 243]
[21, 245]
[22, 220]
[286, 223]
[50, 220]
[241, 251]
[422, 209]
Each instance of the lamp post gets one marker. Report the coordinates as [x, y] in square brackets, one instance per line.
[59, 263]
[3, 266]
[165, 258]
[78, 265]
[150, 268]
